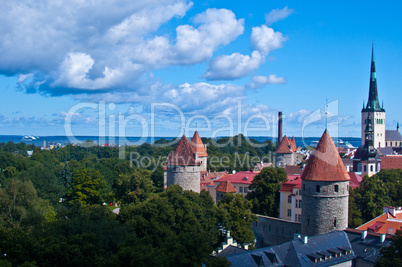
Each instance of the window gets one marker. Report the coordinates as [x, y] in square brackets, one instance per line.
[308, 221]
[245, 190]
[240, 189]
[289, 199]
[371, 168]
[336, 188]
[359, 166]
[335, 222]
[317, 188]
[289, 212]
[365, 168]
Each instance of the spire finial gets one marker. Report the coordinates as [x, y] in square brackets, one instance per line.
[326, 113]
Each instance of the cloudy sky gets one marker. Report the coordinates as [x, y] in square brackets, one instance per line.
[160, 67]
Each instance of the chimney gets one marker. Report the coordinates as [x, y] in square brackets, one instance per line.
[305, 239]
[364, 234]
[279, 127]
[296, 236]
[382, 238]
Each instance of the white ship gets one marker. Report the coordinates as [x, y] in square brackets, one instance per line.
[29, 138]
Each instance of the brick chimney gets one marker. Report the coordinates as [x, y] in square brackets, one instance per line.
[279, 127]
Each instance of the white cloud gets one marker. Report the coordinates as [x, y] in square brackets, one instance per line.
[265, 39]
[257, 81]
[278, 14]
[64, 47]
[229, 67]
[233, 66]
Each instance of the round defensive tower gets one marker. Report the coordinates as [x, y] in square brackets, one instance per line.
[325, 191]
[183, 166]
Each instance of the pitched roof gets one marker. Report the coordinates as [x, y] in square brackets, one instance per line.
[386, 223]
[391, 162]
[284, 147]
[293, 170]
[198, 145]
[325, 164]
[226, 187]
[355, 179]
[293, 144]
[183, 154]
[392, 135]
[298, 253]
[245, 177]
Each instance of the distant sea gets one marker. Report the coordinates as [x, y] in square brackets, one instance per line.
[64, 140]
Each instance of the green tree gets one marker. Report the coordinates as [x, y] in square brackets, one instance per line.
[134, 187]
[264, 194]
[177, 228]
[392, 255]
[236, 216]
[355, 215]
[87, 187]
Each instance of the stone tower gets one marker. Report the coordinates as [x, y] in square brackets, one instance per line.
[377, 113]
[285, 153]
[183, 166]
[325, 190]
[196, 142]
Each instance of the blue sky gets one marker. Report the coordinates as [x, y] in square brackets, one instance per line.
[168, 67]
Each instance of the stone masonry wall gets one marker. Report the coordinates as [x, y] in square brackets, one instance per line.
[273, 231]
[326, 210]
[282, 159]
[188, 177]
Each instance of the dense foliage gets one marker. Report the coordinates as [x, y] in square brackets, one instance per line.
[264, 194]
[54, 206]
[375, 192]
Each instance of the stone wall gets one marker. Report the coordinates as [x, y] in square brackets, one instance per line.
[188, 177]
[285, 159]
[273, 231]
[324, 207]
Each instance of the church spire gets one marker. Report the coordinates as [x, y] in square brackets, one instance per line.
[373, 103]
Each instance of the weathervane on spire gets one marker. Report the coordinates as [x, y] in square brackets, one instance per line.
[326, 113]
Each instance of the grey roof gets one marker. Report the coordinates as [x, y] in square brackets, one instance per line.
[392, 135]
[297, 253]
[367, 249]
[385, 150]
[230, 250]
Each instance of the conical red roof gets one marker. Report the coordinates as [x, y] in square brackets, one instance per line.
[293, 143]
[183, 154]
[226, 187]
[325, 164]
[284, 147]
[198, 145]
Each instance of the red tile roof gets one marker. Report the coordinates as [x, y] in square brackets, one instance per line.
[226, 187]
[355, 179]
[294, 181]
[183, 154]
[386, 223]
[239, 177]
[325, 164]
[199, 146]
[285, 147]
[391, 162]
[293, 144]
[293, 170]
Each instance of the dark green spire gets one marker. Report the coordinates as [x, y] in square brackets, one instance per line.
[373, 103]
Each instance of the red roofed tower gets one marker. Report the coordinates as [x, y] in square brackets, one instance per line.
[223, 188]
[200, 149]
[183, 166]
[285, 153]
[325, 190]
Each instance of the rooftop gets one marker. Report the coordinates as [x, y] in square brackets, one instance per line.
[325, 164]
[226, 187]
[245, 177]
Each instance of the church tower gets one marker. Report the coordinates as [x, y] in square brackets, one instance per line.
[325, 190]
[377, 113]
